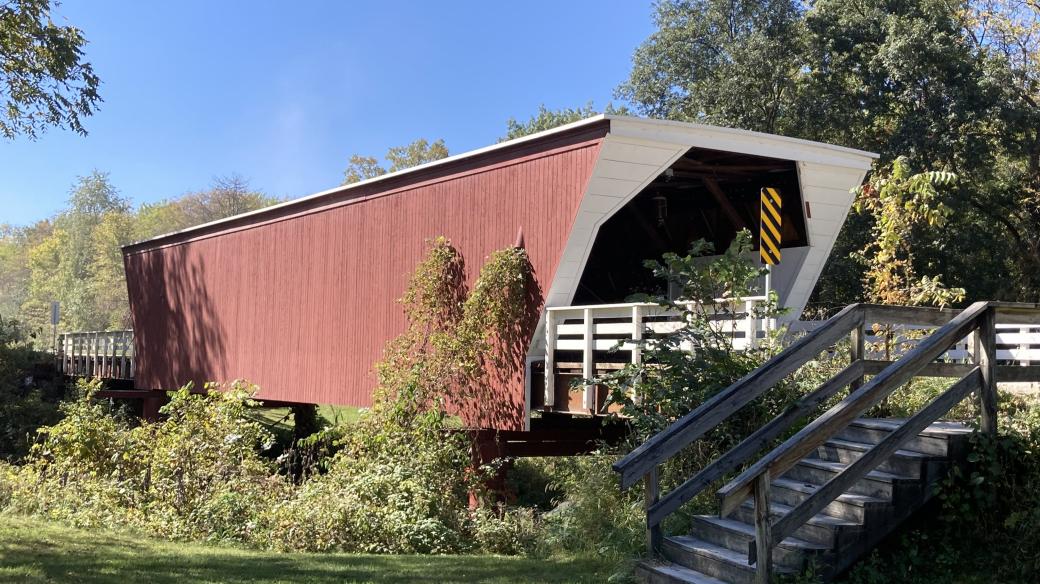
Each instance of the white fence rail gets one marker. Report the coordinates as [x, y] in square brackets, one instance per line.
[605, 327]
[105, 354]
[1016, 344]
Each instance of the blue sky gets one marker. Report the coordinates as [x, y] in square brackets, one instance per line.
[284, 92]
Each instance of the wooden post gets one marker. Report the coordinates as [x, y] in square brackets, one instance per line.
[132, 352]
[986, 358]
[94, 355]
[122, 355]
[1024, 346]
[651, 495]
[550, 358]
[587, 366]
[637, 336]
[858, 350]
[752, 330]
[763, 531]
[112, 355]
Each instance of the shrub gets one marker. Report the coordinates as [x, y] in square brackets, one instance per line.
[388, 491]
[593, 516]
[197, 474]
[506, 531]
[29, 391]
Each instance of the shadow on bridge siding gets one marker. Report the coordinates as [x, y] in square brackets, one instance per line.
[179, 332]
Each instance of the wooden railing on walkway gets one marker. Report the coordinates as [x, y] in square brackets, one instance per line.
[599, 328]
[980, 375]
[1015, 343]
[105, 354]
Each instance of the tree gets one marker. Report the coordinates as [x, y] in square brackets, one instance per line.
[75, 264]
[107, 283]
[732, 63]
[362, 168]
[901, 202]
[226, 197]
[1007, 32]
[400, 157]
[547, 119]
[44, 79]
[14, 271]
[899, 77]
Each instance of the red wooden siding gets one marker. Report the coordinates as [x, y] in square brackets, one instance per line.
[301, 301]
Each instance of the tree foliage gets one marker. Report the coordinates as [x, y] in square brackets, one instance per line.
[75, 261]
[547, 119]
[946, 85]
[225, 197]
[901, 202]
[76, 258]
[28, 400]
[459, 343]
[719, 62]
[44, 79]
[418, 152]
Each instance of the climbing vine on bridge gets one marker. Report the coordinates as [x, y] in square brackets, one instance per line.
[458, 343]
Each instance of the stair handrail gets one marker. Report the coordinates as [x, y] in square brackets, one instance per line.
[751, 445]
[823, 428]
[639, 463]
[954, 325]
[755, 482]
[869, 460]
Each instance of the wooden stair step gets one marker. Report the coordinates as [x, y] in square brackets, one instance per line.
[662, 572]
[902, 462]
[846, 506]
[821, 528]
[712, 560]
[940, 439]
[940, 429]
[879, 484]
[737, 536]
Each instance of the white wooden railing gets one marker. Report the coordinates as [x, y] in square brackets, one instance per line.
[606, 327]
[105, 354]
[1016, 344]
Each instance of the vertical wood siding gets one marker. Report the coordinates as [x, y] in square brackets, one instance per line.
[302, 303]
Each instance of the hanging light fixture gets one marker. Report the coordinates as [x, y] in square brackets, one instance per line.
[662, 209]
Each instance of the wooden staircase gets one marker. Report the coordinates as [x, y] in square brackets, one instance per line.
[717, 548]
[834, 489]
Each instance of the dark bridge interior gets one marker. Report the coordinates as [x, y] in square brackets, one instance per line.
[706, 194]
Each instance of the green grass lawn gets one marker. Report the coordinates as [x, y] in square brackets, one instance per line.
[32, 551]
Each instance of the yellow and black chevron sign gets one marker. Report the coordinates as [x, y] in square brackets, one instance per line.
[769, 230]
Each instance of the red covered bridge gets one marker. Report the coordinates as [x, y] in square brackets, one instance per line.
[300, 298]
